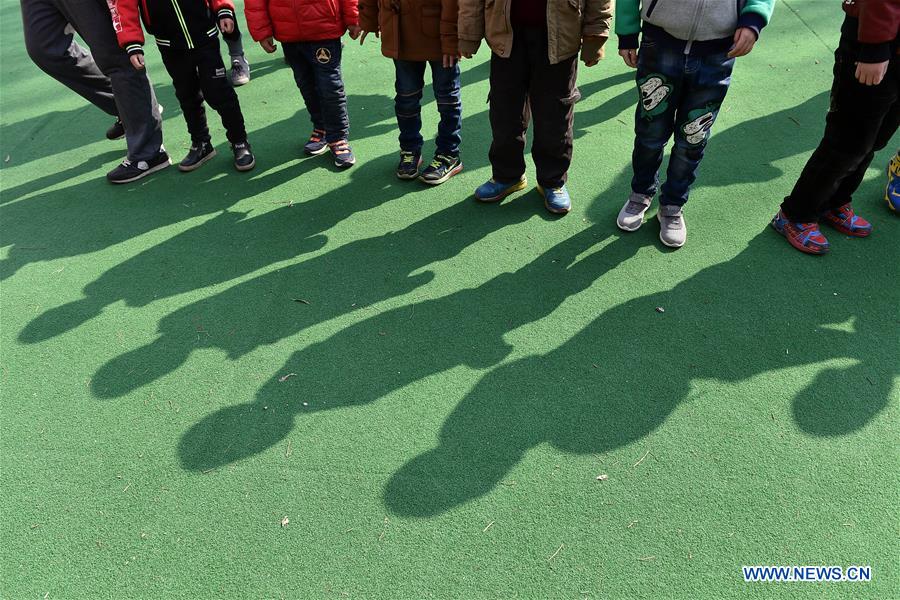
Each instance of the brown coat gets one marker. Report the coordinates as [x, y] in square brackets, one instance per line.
[412, 29]
[568, 23]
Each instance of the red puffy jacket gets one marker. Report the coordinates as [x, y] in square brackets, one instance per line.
[300, 20]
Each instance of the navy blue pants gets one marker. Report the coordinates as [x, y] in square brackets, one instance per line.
[317, 71]
[679, 94]
[409, 83]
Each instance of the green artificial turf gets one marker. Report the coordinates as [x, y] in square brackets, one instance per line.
[428, 388]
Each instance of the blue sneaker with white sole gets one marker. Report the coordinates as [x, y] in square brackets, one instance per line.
[556, 200]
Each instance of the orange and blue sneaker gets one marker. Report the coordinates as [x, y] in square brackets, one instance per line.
[342, 154]
[892, 191]
[316, 144]
[847, 222]
[805, 237]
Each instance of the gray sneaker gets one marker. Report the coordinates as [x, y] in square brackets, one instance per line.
[240, 71]
[672, 229]
[631, 217]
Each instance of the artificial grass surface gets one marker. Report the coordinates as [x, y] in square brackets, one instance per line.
[433, 416]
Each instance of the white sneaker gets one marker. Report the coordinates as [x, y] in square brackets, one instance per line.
[672, 228]
[631, 217]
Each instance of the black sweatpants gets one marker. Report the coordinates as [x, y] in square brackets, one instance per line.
[526, 86]
[861, 121]
[197, 75]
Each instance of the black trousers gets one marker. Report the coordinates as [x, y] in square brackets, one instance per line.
[526, 86]
[861, 121]
[197, 75]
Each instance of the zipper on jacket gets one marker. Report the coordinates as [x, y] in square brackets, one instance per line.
[697, 14]
[652, 8]
[187, 35]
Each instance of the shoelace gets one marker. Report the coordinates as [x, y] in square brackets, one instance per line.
[408, 158]
[126, 162]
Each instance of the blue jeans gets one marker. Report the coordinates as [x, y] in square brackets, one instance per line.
[680, 94]
[317, 71]
[409, 84]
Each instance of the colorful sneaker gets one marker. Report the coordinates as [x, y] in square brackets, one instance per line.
[805, 237]
[556, 200]
[442, 168]
[129, 171]
[631, 217]
[408, 168]
[316, 144]
[343, 154]
[243, 156]
[892, 191]
[494, 191]
[116, 131]
[196, 156]
[240, 71]
[672, 228]
[844, 220]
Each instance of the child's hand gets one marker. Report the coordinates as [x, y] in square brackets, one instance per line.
[354, 31]
[137, 61]
[871, 73]
[268, 44]
[744, 40]
[226, 25]
[450, 60]
[629, 55]
[362, 36]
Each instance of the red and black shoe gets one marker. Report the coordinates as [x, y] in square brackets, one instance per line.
[343, 154]
[847, 222]
[316, 144]
[805, 237]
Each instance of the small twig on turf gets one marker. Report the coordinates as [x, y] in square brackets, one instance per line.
[489, 525]
[646, 558]
[558, 550]
[642, 458]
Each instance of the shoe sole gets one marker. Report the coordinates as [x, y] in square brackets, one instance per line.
[851, 233]
[118, 137]
[316, 153]
[447, 176]
[635, 228]
[149, 171]
[246, 167]
[518, 187]
[344, 165]
[670, 244]
[200, 163]
[555, 211]
[239, 82]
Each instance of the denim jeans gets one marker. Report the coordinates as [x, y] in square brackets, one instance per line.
[409, 84]
[681, 94]
[317, 71]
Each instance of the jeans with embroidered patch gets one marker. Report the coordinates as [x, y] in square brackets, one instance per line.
[317, 73]
[679, 94]
[409, 84]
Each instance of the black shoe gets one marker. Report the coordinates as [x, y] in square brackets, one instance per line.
[442, 168]
[130, 171]
[408, 168]
[116, 131]
[196, 156]
[243, 157]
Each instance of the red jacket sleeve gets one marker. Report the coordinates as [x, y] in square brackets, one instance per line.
[878, 24]
[350, 12]
[222, 8]
[259, 22]
[126, 18]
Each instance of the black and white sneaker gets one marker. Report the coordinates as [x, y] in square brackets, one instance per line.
[129, 171]
[240, 71]
[196, 156]
[243, 156]
[442, 168]
[116, 131]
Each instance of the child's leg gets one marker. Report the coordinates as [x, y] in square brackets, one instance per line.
[304, 76]
[703, 90]
[409, 81]
[659, 78]
[325, 57]
[233, 40]
[447, 95]
[509, 112]
[552, 98]
[852, 130]
[186, 82]
[218, 92]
